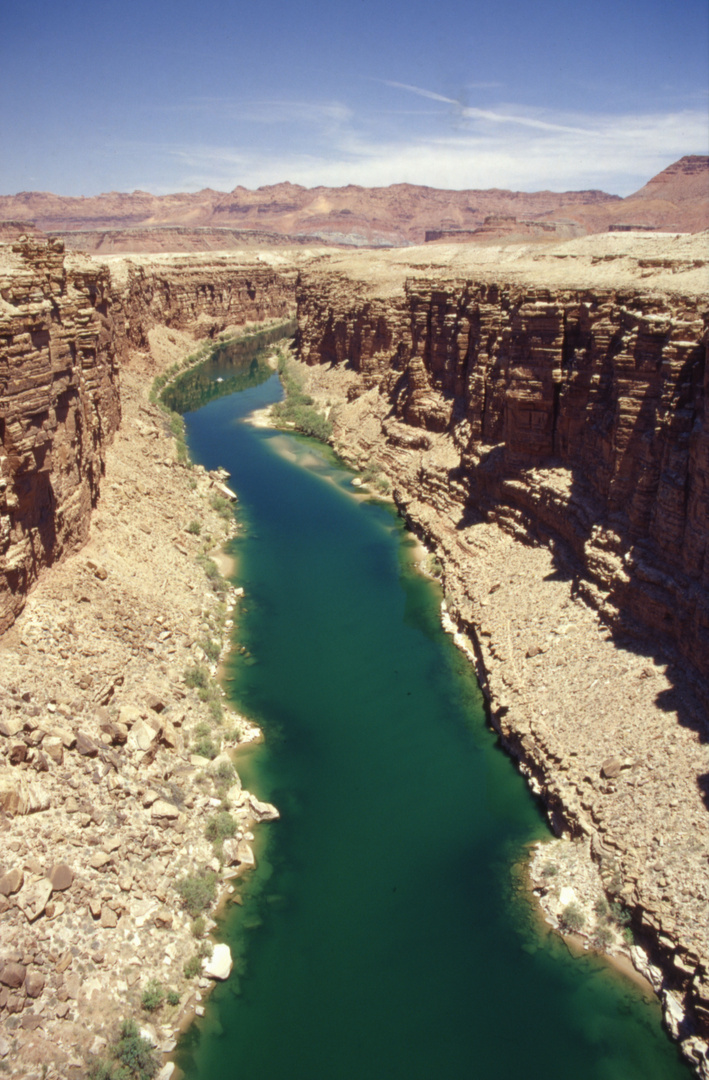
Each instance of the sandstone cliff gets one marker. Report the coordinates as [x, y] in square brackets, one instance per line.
[59, 406]
[65, 325]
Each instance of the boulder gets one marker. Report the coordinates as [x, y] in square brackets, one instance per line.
[34, 984]
[13, 975]
[11, 882]
[99, 859]
[61, 877]
[611, 768]
[245, 854]
[10, 726]
[109, 919]
[18, 753]
[262, 811]
[219, 964]
[34, 897]
[85, 745]
[165, 810]
[230, 852]
[141, 737]
[21, 796]
[54, 749]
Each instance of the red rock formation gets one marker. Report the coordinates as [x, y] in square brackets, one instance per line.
[676, 199]
[576, 414]
[59, 405]
[64, 326]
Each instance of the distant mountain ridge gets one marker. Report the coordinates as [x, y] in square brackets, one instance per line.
[677, 199]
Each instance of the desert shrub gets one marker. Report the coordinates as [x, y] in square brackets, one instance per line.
[210, 648]
[603, 935]
[619, 914]
[602, 908]
[196, 677]
[192, 967]
[220, 826]
[194, 527]
[205, 949]
[216, 710]
[153, 996]
[172, 997]
[213, 574]
[206, 748]
[550, 870]
[573, 918]
[197, 892]
[225, 771]
[131, 1057]
[222, 506]
[198, 926]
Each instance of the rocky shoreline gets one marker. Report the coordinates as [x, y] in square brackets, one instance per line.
[105, 802]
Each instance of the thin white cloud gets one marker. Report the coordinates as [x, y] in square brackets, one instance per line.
[623, 154]
[471, 112]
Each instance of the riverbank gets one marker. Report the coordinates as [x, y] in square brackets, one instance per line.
[120, 745]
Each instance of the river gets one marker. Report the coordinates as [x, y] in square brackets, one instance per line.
[387, 933]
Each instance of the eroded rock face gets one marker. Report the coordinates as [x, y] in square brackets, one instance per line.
[59, 402]
[66, 324]
[576, 416]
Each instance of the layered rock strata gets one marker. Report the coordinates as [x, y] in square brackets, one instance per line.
[66, 323]
[59, 406]
[552, 446]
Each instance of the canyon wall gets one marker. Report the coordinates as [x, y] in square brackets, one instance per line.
[577, 416]
[59, 405]
[66, 324]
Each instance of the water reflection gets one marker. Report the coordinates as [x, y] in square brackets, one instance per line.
[233, 366]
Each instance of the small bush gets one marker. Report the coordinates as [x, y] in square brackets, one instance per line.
[225, 771]
[192, 967]
[210, 648]
[550, 870]
[618, 914]
[206, 748]
[220, 826]
[194, 527]
[198, 926]
[602, 908]
[603, 935]
[196, 677]
[205, 949]
[573, 918]
[153, 996]
[222, 506]
[216, 710]
[131, 1057]
[197, 892]
[172, 997]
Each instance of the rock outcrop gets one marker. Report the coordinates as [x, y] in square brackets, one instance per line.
[59, 406]
[66, 323]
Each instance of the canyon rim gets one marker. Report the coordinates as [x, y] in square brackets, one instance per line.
[539, 410]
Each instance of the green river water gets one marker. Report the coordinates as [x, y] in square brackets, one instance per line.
[386, 934]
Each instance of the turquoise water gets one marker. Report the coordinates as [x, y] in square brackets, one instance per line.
[383, 936]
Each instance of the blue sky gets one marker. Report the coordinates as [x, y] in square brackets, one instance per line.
[177, 96]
